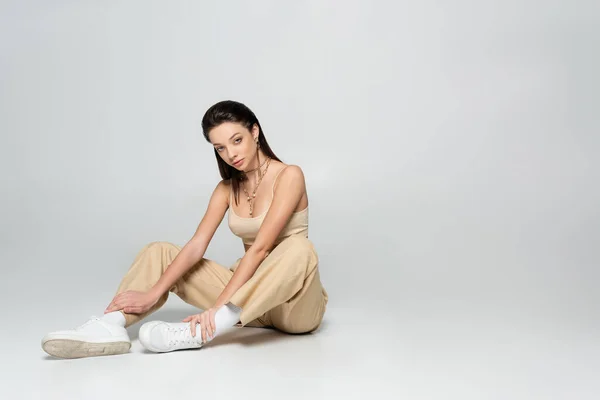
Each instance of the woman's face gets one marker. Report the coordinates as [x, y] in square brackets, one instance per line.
[235, 144]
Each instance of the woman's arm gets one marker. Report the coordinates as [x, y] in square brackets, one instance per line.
[288, 193]
[194, 250]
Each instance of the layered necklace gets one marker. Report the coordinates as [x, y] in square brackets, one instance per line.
[250, 198]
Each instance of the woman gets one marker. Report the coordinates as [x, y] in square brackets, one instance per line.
[275, 284]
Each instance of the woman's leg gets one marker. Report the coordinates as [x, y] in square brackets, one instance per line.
[200, 286]
[284, 293]
[304, 311]
[285, 290]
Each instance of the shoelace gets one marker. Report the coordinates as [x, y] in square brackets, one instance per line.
[178, 336]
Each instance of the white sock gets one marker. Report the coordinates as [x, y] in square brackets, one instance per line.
[226, 318]
[115, 317]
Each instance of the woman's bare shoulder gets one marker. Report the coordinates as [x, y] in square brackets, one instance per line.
[289, 168]
[292, 170]
[290, 174]
[222, 190]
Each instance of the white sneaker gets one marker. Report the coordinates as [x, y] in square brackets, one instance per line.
[160, 337]
[96, 337]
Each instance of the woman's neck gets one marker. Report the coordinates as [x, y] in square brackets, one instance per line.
[256, 167]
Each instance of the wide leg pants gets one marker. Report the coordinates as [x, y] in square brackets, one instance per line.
[284, 293]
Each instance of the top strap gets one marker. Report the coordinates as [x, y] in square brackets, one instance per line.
[275, 180]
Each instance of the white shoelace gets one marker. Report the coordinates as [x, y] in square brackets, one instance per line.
[181, 336]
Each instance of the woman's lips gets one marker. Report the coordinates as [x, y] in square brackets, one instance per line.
[238, 163]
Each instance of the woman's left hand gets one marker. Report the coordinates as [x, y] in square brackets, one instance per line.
[206, 320]
[132, 302]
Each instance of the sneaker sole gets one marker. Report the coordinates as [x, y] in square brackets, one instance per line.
[65, 348]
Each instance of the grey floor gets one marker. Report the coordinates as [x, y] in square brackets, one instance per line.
[357, 353]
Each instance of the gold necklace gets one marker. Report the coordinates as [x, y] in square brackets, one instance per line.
[260, 166]
[250, 199]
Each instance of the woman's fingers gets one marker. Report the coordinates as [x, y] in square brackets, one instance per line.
[213, 324]
[204, 327]
[114, 302]
[208, 330]
[122, 301]
[207, 327]
[110, 305]
[193, 326]
[202, 333]
[128, 301]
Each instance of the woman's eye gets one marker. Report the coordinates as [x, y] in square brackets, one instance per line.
[219, 148]
[236, 140]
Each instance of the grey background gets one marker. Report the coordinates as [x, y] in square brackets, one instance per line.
[450, 151]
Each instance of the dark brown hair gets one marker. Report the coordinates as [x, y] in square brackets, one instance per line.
[233, 111]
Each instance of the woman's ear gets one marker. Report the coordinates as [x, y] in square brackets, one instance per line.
[255, 132]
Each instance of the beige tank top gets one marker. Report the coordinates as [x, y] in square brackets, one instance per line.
[247, 228]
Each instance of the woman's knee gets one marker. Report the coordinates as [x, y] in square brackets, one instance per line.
[162, 253]
[160, 245]
[169, 248]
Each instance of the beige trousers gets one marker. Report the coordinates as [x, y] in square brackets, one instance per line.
[284, 293]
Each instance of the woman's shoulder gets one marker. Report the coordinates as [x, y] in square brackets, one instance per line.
[224, 184]
[290, 169]
[291, 173]
[223, 189]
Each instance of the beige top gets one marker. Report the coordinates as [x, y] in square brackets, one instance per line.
[247, 228]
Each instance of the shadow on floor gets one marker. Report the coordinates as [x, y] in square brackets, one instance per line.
[246, 336]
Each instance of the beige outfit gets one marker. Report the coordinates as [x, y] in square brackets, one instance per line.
[247, 228]
[285, 292]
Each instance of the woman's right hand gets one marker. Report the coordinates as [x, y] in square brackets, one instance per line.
[132, 302]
